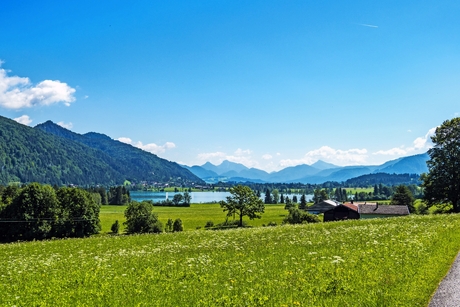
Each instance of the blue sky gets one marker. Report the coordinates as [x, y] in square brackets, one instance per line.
[268, 84]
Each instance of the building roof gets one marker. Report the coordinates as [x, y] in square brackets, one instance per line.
[351, 206]
[323, 206]
[383, 209]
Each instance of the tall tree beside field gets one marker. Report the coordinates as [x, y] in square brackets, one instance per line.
[442, 183]
[79, 211]
[243, 202]
[403, 197]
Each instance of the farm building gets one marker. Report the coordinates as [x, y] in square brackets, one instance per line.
[322, 206]
[342, 212]
[368, 211]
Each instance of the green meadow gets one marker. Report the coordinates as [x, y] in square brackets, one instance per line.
[381, 262]
[192, 217]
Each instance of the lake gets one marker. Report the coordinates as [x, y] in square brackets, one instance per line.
[197, 197]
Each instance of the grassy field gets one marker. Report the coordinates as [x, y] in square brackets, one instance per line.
[382, 262]
[192, 217]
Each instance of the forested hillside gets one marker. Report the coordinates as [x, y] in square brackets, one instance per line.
[134, 163]
[33, 155]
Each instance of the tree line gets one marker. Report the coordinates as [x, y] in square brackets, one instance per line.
[37, 211]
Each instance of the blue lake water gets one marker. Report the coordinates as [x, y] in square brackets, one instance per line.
[197, 197]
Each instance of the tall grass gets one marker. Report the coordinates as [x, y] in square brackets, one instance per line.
[385, 262]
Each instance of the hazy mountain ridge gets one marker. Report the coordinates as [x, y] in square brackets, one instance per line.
[318, 172]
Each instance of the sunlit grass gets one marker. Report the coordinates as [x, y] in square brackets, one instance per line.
[382, 262]
[192, 217]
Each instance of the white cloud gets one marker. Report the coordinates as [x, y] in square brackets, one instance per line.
[391, 152]
[267, 157]
[24, 119]
[425, 141]
[420, 143]
[212, 156]
[125, 140]
[68, 125]
[240, 156]
[241, 152]
[18, 92]
[352, 156]
[151, 147]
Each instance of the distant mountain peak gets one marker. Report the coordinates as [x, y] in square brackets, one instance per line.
[323, 165]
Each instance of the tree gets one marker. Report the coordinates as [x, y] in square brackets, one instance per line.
[403, 197]
[303, 202]
[79, 211]
[276, 196]
[243, 202]
[141, 219]
[37, 208]
[169, 225]
[187, 198]
[268, 197]
[442, 183]
[320, 195]
[177, 226]
[177, 199]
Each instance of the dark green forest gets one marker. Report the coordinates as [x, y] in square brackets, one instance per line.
[53, 155]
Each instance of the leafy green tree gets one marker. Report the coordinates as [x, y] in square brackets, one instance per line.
[243, 202]
[169, 225]
[177, 199]
[177, 226]
[294, 199]
[319, 195]
[37, 209]
[141, 219]
[442, 183]
[403, 197]
[282, 198]
[187, 198]
[79, 211]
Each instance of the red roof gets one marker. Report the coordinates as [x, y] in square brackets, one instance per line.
[351, 206]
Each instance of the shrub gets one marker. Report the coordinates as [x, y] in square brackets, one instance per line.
[115, 227]
[177, 226]
[209, 224]
[297, 216]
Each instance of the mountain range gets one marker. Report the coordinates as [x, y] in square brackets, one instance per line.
[316, 173]
[49, 153]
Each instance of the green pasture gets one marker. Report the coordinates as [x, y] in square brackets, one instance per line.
[381, 262]
[192, 217]
[358, 190]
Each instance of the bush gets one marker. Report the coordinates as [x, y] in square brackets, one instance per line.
[115, 227]
[209, 224]
[297, 216]
[177, 226]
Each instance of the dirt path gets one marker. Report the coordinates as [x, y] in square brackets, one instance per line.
[448, 292]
